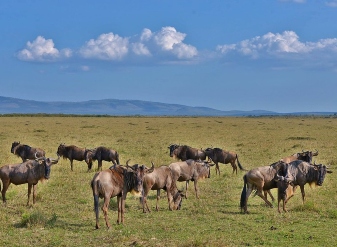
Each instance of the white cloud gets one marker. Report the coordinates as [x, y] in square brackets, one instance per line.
[279, 45]
[166, 41]
[42, 50]
[107, 46]
[332, 3]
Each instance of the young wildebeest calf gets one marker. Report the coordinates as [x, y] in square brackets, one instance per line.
[72, 152]
[31, 172]
[284, 192]
[117, 181]
[190, 170]
[26, 152]
[161, 178]
[99, 154]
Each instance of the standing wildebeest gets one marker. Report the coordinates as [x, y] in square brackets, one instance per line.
[72, 152]
[31, 172]
[260, 179]
[184, 152]
[218, 155]
[284, 191]
[161, 178]
[26, 152]
[117, 181]
[300, 173]
[190, 170]
[304, 156]
[102, 153]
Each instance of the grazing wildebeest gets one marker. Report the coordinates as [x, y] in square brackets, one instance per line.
[30, 171]
[26, 152]
[218, 155]
[190, 170]
[117, 181]
[101, 153]
[184, 152]
[300, 173]
[260, 179]
[72, 152]
[161, 178]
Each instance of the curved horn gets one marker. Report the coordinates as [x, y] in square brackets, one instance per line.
[127, 163]
[54, 161]
[151, 169]
[38, 158]
[316, 153]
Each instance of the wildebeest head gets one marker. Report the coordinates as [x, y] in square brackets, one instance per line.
[61, 149]
[14, 144]
[136, 181]
[172, 147]
[322, 171]
[306, 155]
[178, 200]
[89, 154]
[47, 162]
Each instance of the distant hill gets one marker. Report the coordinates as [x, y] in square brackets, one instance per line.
[116, 107]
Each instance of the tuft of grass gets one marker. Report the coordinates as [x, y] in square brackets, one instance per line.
[36, 218]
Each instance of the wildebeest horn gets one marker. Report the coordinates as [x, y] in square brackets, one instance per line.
[38, 158]
[151, 169]
[316, 153]
[127, 163]
[54, 161]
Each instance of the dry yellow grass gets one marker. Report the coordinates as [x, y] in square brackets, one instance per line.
[63, 214]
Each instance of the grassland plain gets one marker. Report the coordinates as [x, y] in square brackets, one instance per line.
[63, 214]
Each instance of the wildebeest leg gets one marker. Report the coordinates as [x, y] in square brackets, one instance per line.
[119, 203]
[235, 169]
[34, 192]
[99, 165]
[29, 192]
[123, 198]
[71, 164]
[3, 192]
[269, 193]
[105, 211]
[158, 197]
[248, 192]
[145, 193]
[260, 194]
[196, 188]
[217, 169]
[303, 193]
[186, 188]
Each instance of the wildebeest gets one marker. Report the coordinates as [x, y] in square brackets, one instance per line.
[218, 155]
[161, 178]
[184, 152]
[117, 181]
[72, 152]
[101, 153]
[190, 170]
[30, 171]
[260, 179]
[284, 191]
[304, 155]
[300, 173]
[26, 152]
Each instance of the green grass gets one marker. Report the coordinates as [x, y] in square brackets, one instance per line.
[63, 214]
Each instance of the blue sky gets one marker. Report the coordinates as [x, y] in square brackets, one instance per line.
[277, 55]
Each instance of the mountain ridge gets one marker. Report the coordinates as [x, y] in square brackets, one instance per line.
[117, 107]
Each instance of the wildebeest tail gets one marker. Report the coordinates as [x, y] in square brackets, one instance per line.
[243, 193]
[117, 158]
[240, 166]
[94, 187]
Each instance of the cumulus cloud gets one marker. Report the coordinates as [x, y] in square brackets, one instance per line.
[278, 45]
[107, 46]
[42, 49]
[166, 41]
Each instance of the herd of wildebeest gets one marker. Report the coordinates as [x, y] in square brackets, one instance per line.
[191, 164]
